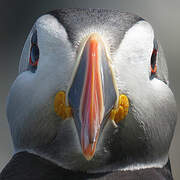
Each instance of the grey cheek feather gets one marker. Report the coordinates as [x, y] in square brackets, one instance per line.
[162, 73]
[155, 107]
[24, 60]
[33, 121]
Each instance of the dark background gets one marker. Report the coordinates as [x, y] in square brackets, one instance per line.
[18, 16]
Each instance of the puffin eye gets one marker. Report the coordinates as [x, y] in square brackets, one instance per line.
[153, 59]
[34, 53]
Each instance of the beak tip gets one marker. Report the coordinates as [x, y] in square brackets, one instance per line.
[88, 157]
[89, 151]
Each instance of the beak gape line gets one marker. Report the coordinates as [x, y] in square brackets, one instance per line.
[92, 95]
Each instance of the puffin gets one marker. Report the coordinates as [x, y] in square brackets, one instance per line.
[91, 100]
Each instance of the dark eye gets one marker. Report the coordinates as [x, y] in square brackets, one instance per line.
[153, 60]
[34, 53]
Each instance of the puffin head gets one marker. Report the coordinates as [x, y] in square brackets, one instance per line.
[92, 92]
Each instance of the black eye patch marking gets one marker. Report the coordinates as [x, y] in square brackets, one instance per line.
[34, 53]
[154, 59]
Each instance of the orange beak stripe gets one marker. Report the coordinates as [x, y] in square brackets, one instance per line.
[92, 103]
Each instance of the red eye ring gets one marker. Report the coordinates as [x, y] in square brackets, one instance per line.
[31, 63]
[153, 62]
[153, 71]
[34, 55]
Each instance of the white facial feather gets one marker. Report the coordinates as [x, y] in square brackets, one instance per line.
[135, 52]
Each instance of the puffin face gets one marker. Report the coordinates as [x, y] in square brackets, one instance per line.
[92, 92]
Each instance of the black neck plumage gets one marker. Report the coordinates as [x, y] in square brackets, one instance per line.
[27, 166]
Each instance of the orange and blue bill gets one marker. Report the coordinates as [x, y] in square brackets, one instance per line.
[92, 94]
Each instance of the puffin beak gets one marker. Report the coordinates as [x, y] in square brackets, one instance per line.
[92, 94]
